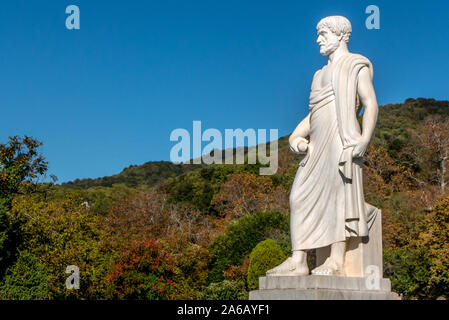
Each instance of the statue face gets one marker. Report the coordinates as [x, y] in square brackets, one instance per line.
[328, 41]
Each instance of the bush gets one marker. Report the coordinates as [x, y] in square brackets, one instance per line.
[241, 237]
[144, 271]
[266, 255]
[409, 271]
[224, 290]
[27, 279]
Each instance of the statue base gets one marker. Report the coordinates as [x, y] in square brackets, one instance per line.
[314, 287]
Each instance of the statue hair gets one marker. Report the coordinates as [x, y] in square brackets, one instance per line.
[338, 25]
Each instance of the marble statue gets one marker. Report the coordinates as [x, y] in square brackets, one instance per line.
[327, 203]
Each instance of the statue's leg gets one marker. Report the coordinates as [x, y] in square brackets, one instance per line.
[338, 251]
[294, 265]
[334, 264]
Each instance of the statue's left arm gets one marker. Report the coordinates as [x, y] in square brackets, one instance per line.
[365, 91]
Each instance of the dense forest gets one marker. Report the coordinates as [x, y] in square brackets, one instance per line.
[182, 231]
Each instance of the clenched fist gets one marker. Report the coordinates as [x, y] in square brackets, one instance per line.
[299, 145]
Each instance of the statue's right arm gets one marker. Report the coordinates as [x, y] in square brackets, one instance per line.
[300, 133]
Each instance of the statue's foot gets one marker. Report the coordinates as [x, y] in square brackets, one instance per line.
[290, 266]
[328, 268]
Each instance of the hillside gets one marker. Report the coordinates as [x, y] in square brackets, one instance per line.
[147, 174]
[397, 120]
[393, 127]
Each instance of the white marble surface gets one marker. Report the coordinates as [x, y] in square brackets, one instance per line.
[313, 287]
[321, 282]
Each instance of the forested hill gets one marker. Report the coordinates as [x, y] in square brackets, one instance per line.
[147, 174]
[397, 120]
[393, 128]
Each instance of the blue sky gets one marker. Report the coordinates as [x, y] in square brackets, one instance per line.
[108, 95]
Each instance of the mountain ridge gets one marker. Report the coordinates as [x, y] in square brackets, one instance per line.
[394, 121]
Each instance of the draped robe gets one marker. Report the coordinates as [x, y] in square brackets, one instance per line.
[326, 201]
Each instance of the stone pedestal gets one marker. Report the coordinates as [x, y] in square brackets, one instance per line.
[315, 287]
[363, 254]
[362, 280]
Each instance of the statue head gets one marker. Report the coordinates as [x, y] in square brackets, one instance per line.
[332, 32]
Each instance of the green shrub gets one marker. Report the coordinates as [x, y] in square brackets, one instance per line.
[266, 255]
[241, 237]
[224, 290]
[26, 279]
[409, 271]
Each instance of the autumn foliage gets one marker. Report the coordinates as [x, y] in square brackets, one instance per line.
[246, 193]
[144, 271]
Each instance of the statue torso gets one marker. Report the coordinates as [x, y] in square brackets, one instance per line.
[322, 78]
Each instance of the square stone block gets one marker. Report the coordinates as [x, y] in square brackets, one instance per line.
[314, 287]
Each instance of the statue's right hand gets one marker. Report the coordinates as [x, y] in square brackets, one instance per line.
[299, 145]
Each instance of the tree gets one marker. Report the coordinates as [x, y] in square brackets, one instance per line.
[148, 215]
[429, 147]
[246, 193]
[143, 271]
[193, 264]
[26, 279]
[21, 165]
[60, 234]
[435, 239]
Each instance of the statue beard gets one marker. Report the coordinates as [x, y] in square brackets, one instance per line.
[329, 48]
